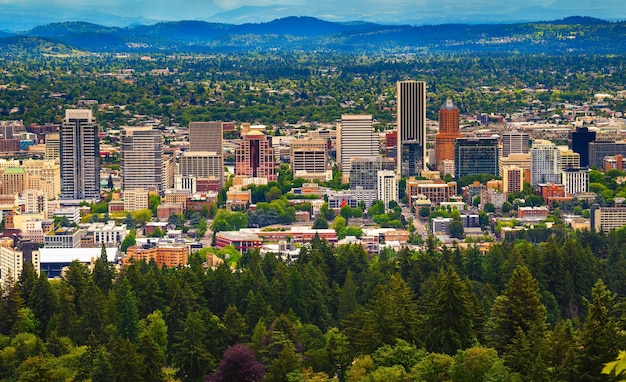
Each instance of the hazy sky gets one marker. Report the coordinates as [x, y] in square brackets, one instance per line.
[400, 11]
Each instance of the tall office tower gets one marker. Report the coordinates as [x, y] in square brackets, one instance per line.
[208, 137]
[576, 181]
[411, 100]
[473, 156]
[53, 146]
[255, 157]
[545, 163]
[579, 143]
[600, 149]
[141, 158]
[512, 179]
[308, 158]
[387, 187]
[355, 139]
[206, 167]
[80, 156]
[448, 133]
[364, 171]
[515, 142]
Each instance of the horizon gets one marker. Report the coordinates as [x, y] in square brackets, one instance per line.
[21, 16]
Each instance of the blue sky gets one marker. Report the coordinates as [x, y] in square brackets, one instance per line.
[384, 11]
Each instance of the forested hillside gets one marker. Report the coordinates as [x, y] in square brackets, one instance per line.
[551, 312]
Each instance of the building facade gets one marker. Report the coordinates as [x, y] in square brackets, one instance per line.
[308, 158]
[411, 122]
[448, 133]
[255, 157]
[512, 179]
[387, 189]
[545, 164]
[473, 156]
[579, 143]
[576, 181]
[515, 142]
[208, 138]
[79, 156]
[364, 171]
[141, 158]
[355, 139]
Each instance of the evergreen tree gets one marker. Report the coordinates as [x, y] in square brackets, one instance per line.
[518, 308]
[11, 302]
[26, 282]
[448, 322]
[43, 301]
[347, 299]
[600, 336]
[190, 353]
[103, 271]
[93, 318]
[128, 314]
[153, 358]
[128, 363]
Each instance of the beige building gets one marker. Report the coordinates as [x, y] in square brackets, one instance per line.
[512, 179]
[44, 175]
[569, 159]
[14, 181]
[308, 159]
[53, 147]
[141, 158]
[135, 200]
[12, 258]
[203, 165]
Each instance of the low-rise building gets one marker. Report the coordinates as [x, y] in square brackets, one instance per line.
[13, 255]
[170, 255]
[64, 237]
[242, 241]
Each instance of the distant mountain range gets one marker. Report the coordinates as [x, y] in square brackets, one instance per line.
[570, 35]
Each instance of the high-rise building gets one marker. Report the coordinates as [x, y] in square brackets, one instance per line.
[44, 175]
[204, 167]
[80, 156]
[387, 188]
[208, 137]
[545, 163]
[473, 156]
[255, 157]
[364, 171]
[579, 143]
[569, 159]
[515, 142]
[308, 158]
[512, 179]
[411, 121]
[448, 133]
[141, 158]
[576, 181]
[355, 139]
[600, 149]
[53, 147]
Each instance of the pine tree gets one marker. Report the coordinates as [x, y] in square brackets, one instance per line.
[11, 302]
[128, 314]
[448, 322]
[519, 307]
[347, 299]
[103, 271]
[600, 335]
[129, 364]
[153, 358]
[43, 301]
[190, 353]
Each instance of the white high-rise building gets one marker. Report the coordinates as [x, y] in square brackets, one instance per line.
[576, 181]
[387, 189]
[355, 139]
[208, 137]
[545, 163]
[80, 156]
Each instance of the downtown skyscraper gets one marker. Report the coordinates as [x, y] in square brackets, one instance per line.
[411, 120]
[142, 158]
[79, 156]
[206, 140]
